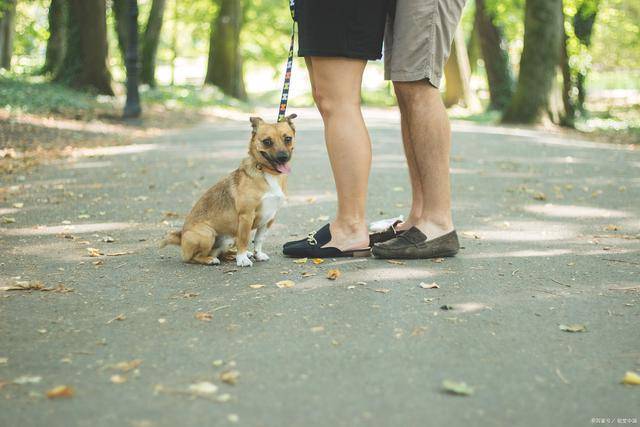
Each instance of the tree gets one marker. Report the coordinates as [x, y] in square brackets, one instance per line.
[7, 30]
[132, 107]
[150, 41]
[495, 55]
[56, 41]
[225, 65]
[583, 22]
[121, 24]
[540, 58]
[85, 61]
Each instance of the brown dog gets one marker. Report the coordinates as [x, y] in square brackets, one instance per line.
[243, 201]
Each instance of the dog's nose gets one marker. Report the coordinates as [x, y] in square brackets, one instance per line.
[282, 156]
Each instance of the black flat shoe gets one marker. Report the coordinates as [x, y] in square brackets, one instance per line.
[311, 247]
[385, 235]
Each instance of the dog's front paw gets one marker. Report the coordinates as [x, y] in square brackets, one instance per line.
[242, 260]
[261, 256]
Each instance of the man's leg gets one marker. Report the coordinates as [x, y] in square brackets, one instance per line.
[336, 84]
[427, 130]
[414, 174]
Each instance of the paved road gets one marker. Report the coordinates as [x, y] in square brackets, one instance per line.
[324, 353]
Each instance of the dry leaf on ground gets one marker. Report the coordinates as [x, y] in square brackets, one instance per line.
[204, 316]
[118, 379]
[318, 328]
[631, 378]
[94, 252]
[120, 317]
[382, 290]
[457, 387]
[203, 388]
[256, 286]
[300, 260]
[433, 285]
[396, 262]
[575, 327]
[230, 377]
[317, 261]
[286, 284]
[60, 391]
[333, 274]
[127, 366]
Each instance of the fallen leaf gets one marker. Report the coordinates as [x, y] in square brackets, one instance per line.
[437, 260]
[127, 366]
[393, 261]
[446, 307]
[203, 388]
[612, 227]
[118, 379]
[18, 205]
[256, 286]
[318, 328]
[60, 391]
[94, 252]
[169, 214]
[108, 239]
[217, 363]
[631, 378]
[27, 379]
[433, 285]
[120, 253]
[230, 377]
[26, 286]
[575, 327]
[457, 388]
[233, 418]
[286, 284]
[333, 274]
[8, 220]
[203, 316]
[539, 196]
[300, 260]
[120, 317]
[308, 274]
[4, 360]
[317, 261]
[382, 290]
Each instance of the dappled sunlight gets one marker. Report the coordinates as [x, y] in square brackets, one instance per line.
[43, 230]
[371, 276]
[470, 307]
[520, 254]
[572, 211]
[7, 211]
[114, 151]
[87, 165]
[298, 198]
[524, 231]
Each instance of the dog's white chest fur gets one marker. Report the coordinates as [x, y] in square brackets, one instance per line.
[271, 200]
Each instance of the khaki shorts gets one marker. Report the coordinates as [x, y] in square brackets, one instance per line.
[418, 39]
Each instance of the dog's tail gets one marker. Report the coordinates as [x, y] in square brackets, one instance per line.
[172, 238]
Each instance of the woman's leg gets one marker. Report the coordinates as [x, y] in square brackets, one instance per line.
[336, 84]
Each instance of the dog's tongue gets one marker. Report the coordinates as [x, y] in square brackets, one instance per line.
[283, 168]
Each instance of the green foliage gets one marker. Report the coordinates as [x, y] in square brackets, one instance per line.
[616, 39]
[36, 95]
[266, 33]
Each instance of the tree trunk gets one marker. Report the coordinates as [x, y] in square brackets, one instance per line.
[583, 22]
[56, 41]
[121, 25]
[85, 61]
[496, 57]
[569, 114]
[458, 74]
[224, 68]
[150, 41]
[473, 48]
[540, 57]
[7, 30]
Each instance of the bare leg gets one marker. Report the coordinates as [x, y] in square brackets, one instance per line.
[429, 133]
[336, 84]
[414, 174]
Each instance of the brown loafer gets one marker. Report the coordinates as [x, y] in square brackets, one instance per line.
[413, 244]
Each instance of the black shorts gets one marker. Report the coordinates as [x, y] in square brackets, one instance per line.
[347, 28]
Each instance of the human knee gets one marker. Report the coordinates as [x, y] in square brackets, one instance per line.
[411, 92]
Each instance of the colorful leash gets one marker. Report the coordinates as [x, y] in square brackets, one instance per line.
[287, 75]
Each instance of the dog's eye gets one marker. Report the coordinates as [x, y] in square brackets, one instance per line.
[267, 142]
[288, 140]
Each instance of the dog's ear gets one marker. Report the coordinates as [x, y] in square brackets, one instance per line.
[289, 120]
[255, 122]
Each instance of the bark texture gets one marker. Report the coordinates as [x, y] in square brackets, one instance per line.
[56, 41]
[7, 32]
[150, 42]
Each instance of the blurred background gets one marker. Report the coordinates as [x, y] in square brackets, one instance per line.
[572, 64]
